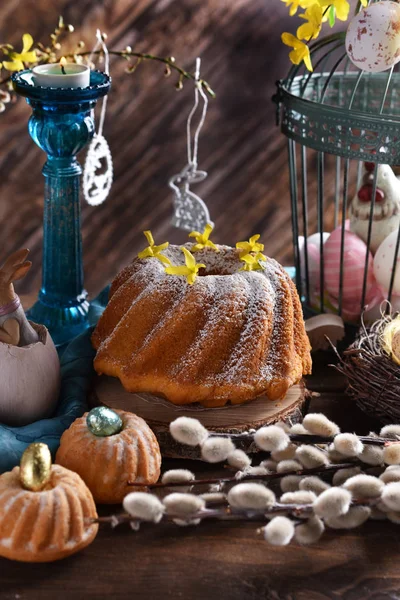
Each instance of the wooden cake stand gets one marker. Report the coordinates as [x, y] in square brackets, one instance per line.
[159, 413]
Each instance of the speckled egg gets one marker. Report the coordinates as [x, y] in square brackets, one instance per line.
[373, 37]
[383, 263]
[353, 267]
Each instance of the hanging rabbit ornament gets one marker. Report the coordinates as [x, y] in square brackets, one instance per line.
[190, 212]
[98, 170]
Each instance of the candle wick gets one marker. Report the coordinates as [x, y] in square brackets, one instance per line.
[62, 69]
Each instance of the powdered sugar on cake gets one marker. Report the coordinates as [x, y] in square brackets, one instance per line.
[230, 334]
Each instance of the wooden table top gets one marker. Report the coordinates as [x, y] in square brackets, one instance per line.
[224, 560]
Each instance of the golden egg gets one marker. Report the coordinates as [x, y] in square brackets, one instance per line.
[35, 467]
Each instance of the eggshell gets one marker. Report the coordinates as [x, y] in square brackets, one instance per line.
[373, 37]
[353, 267]
[383, 263]
[30, 380]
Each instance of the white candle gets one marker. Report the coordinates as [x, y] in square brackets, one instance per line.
[74, 76]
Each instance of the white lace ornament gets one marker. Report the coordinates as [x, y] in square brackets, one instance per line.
[190, 212]
[98, 169]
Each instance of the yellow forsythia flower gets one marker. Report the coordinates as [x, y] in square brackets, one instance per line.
[311, 29]
[189, 269]
[251, 246]
[202, 239]
[19, 58]
[252, 262]
[300, 52]
[295, 4]
[342, 8]
[153, 251]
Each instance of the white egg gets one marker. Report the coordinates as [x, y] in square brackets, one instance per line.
[373, 37]
[383, 263]
[315, 239]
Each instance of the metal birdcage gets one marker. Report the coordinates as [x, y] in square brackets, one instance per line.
[336, 119]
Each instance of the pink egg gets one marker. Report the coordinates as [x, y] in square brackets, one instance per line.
[351, 311]
[313, 253]
[313, 268]
[353, 267]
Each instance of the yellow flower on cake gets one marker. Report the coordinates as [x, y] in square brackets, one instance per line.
[202, 239]
[300, 52]
[253, 245]
[190, 269]
[252, 262]
[295, 4]
[311, 29]
[19, 58]
[153, 251]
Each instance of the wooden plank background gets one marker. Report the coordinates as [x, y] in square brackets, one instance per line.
[241, 148]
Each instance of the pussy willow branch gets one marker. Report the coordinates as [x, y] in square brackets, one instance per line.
[231, 514]
[310, 438]
[224, 514]
[249, 477]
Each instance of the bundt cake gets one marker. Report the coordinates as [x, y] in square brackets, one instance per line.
[45, 525]
[235, 334]
[106, 464]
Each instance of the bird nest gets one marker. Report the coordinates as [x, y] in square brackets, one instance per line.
[372, 374]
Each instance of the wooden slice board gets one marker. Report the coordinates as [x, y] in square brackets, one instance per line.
[159, 413]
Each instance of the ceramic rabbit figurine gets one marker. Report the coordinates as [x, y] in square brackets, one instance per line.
[386, 214]
[15, 328]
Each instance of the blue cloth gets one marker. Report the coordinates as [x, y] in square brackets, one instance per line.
[76, 373]
[291, 271]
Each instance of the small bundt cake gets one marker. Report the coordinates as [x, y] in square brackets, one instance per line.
[45, 525]
[106, 464]
[233, 335]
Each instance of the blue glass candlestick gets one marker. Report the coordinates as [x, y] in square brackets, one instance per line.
[61, 124]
